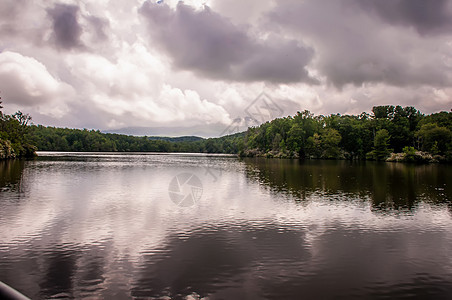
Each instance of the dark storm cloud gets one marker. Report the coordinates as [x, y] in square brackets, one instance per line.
[432, 16]
[66, 28]
[99, 27]
[353, 46]
[208, 44]
[278, 62]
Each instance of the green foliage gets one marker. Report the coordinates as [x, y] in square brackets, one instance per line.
[410, 153]
[330, 143]
[13, 131]
[400, 122]
[6, 151]
[434, 139]
[442, 119]
[389, 128]
[364, 136]
[381, 149]
[314, 146]
[65, 139]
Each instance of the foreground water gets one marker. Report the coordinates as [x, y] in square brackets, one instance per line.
[121, 226]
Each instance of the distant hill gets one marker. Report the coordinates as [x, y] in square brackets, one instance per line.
[212, 130]
[66, 139]
[176, 139]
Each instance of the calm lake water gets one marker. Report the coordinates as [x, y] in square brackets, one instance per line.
[180, 226]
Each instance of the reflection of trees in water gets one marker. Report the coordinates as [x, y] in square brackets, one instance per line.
[389, 185]
[60, 267]
[11, 172]
[403, 186]
[224, 263]
[63, 271]
[73, 271]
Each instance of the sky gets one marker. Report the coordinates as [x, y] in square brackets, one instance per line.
[203, 66]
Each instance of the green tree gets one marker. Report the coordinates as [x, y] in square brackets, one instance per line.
[314, 146]
[383, 112]
[434, 138]
[410, 153]
[381, 145]
[277, 142]
[295, 139]
[330, 143]
[13, 135]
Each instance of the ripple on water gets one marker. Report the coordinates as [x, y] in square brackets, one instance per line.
[103, 226]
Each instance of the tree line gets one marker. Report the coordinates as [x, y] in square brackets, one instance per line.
[373, 136]
[376, 136]
[65, 139]
[13, 140]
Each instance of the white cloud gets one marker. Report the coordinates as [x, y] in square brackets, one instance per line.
[121, 77]
[134, 85]
[24, 81]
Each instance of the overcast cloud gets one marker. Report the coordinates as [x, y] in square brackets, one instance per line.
[127, 64]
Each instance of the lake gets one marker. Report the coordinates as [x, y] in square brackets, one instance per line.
[192, 226]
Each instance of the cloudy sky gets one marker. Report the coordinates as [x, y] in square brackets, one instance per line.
[199, 64]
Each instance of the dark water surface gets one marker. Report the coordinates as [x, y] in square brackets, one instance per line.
[116, 226]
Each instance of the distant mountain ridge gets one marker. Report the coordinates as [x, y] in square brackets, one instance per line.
[212, 130]
[176, 139]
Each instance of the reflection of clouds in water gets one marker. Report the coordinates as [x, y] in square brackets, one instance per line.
[102, 203]
[109, 228]
[219, 252]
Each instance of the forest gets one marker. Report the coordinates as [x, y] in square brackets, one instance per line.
[14, 142]
[388, 133]
[64, 139]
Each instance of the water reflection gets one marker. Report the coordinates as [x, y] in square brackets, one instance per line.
[103, 226]
[388, 185]
[10, 174]
[223, 261]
